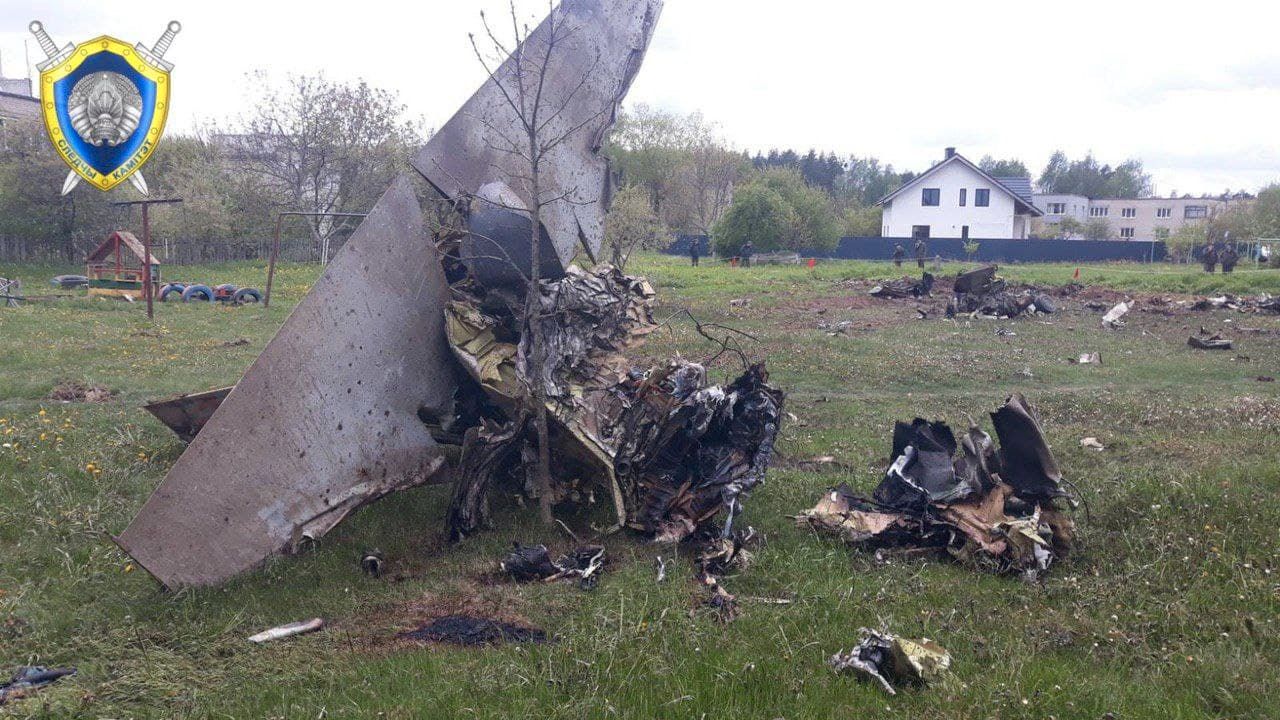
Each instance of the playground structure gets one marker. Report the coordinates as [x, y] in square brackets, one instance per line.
[121, 267]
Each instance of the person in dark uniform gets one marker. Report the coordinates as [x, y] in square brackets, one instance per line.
[1209, 256]
[1229, 257]
[922, 251]
[693, 252]
[898, 255]
[748, 249]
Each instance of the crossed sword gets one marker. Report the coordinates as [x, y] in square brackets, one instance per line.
[153, 55]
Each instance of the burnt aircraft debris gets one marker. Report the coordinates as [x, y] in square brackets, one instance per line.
[27, 680]
[991, 508]
[1206, 340]
[1112, 319]
[673, 450]
[718, 555]
[982, 292]
[528, 563]
[905, 288]
[328, 417]
[892, 662]
[186, 414]
[1264, 303]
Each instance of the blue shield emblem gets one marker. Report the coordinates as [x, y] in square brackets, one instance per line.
[104, 105]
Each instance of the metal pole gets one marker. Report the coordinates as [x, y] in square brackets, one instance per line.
[271, 266]
[275, 244]
[146, 261]
[146, 245]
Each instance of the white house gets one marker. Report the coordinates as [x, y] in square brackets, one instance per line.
[956, 199]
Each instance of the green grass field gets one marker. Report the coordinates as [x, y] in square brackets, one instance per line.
[1168, 609]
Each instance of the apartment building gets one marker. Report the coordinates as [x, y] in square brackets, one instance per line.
[1130, 218]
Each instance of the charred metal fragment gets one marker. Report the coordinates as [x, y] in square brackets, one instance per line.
[186, 414]
[1026, 462]
[905, 288]
[1209, 341]
[982, 292]
[995, 511]
[689, 450]
[490, 454]
[891, 661]
[922, 471]
[527, 563]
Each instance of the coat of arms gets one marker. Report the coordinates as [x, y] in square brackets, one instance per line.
[104, 105]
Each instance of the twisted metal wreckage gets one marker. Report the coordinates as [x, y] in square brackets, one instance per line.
[991, 508]
[409, 342]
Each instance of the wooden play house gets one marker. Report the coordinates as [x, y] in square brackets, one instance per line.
[116, 269]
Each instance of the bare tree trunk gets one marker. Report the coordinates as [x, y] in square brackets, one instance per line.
[533, 306]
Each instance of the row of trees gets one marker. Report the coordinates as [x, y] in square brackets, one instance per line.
[1092, 179]
[305, 144]
[678, 175]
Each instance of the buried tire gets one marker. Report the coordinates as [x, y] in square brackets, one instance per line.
[197, 292]
[246, 295]
[169, 289]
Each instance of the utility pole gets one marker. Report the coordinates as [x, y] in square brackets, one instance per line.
[146, 244]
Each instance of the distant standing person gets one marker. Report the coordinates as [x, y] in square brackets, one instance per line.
[1229, 257]
[898, 255]
[747, 250]
[922, 251]
[693, 252]
[1209, 256]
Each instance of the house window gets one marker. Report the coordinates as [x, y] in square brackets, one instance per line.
[1100, 211]
[982, 198]
[932, 197]
[1126, 233]
[919, 232]
[964, 232]
[1164, 212]
[1129, 212]
[964, 196]
[1161, 233]
[1195, 212]
[1057, 208]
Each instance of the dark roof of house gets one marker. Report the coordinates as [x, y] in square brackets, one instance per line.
[1021, 196]
[1021, 186]
[17, 86]
[13, 105]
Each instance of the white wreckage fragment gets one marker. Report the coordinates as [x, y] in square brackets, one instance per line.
[891, 661]
[1112, 318]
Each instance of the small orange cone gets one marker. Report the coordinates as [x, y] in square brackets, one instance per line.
[1077, 275]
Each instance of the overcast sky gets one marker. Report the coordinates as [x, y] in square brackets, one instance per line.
[1193, 90]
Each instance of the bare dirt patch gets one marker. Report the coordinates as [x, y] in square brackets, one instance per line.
[75, 391]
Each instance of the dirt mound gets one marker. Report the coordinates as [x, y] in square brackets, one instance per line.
[75, 391]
